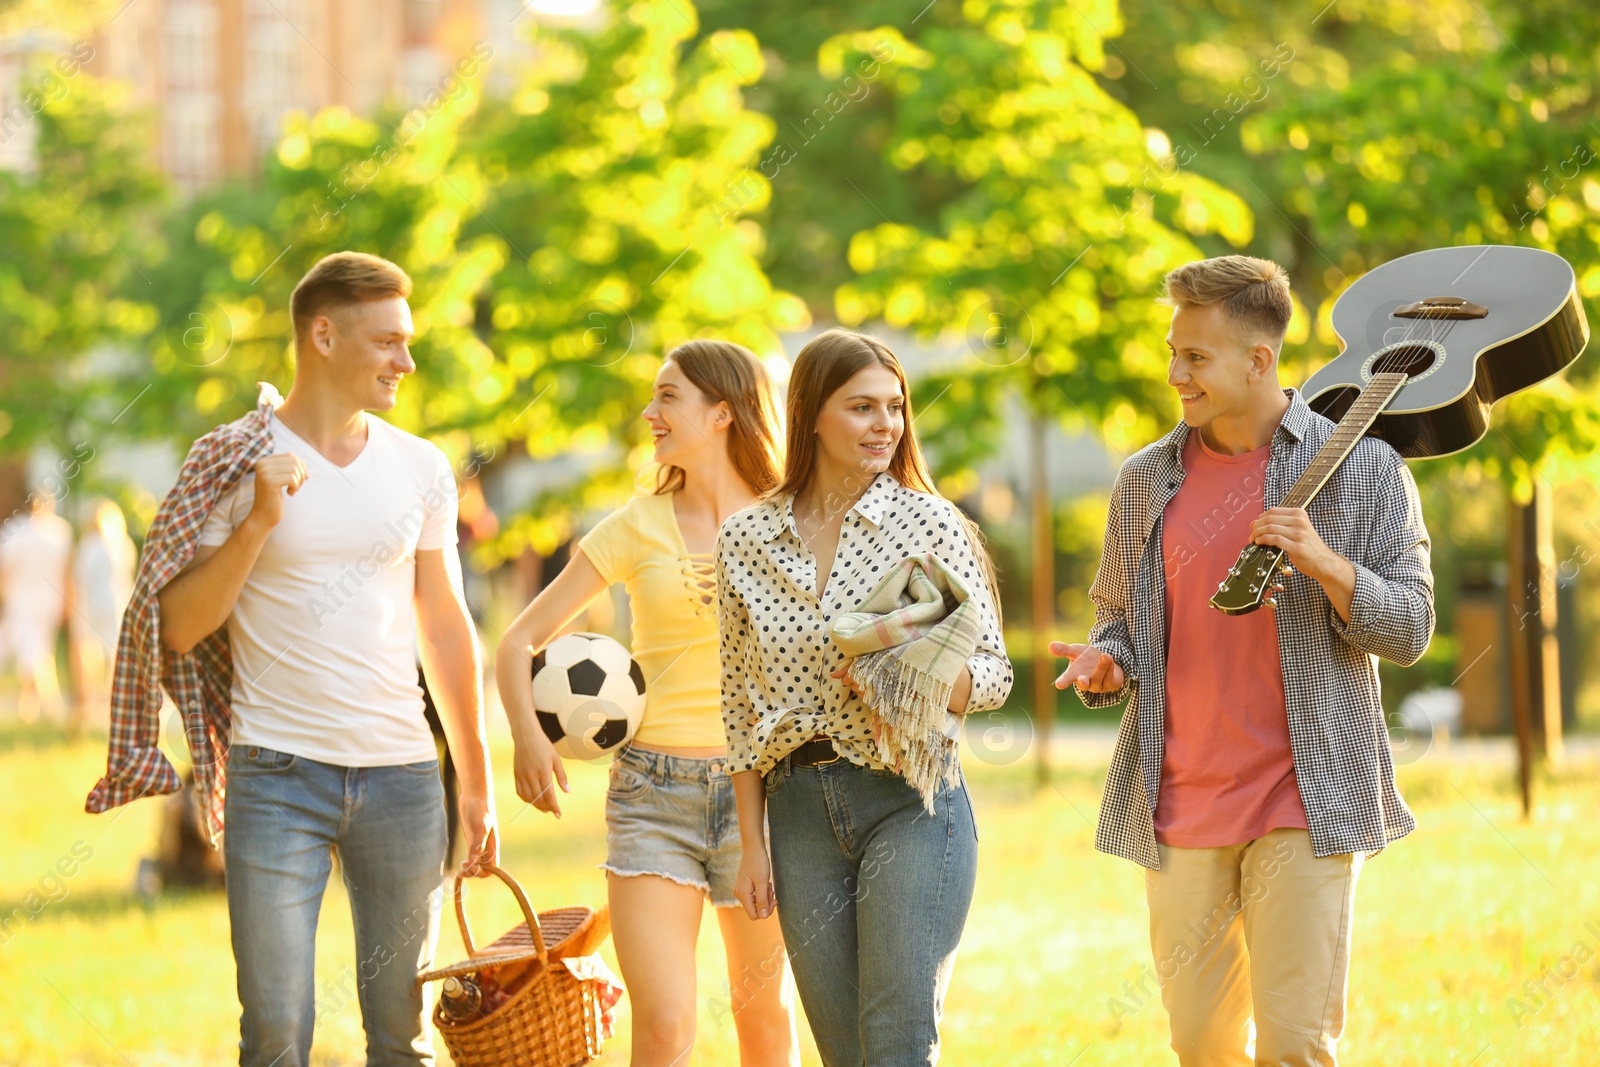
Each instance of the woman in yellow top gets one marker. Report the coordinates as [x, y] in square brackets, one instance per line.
[672, 833]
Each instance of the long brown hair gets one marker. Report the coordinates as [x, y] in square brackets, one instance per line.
[823, 366]
[728, 372]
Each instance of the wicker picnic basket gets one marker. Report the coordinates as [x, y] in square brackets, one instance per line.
[550, 1018]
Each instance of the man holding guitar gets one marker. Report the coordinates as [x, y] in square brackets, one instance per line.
[1252, 771]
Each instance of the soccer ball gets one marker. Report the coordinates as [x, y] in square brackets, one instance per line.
[588, 695]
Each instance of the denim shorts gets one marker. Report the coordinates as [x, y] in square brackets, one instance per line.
[673, 817]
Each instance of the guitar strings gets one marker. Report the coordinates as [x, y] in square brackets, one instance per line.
[1436, 324]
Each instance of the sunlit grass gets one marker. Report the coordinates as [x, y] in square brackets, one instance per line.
[1451, 923]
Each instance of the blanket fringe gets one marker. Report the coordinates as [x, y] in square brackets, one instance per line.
[911, 708]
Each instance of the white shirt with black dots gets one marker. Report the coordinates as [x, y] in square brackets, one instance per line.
[775, 650]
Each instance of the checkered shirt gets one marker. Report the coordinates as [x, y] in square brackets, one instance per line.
[1369, 512]
[200, 681]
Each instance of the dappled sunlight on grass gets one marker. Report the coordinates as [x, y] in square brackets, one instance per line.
[1451, 923]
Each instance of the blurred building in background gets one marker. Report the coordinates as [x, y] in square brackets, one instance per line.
[221, 74]
[219, 77]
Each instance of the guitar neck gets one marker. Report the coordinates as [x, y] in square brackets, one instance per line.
[1362, 414]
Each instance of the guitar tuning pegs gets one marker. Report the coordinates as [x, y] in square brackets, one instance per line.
[1271, 602]
[1287, 568]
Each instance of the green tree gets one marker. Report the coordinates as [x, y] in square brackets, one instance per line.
[1048, 255]
[79, 242]
[620, 175]
[394, 186]
[826, 162]
[560, 240]
[1508, 157]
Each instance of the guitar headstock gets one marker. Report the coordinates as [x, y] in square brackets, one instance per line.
[1249, 585]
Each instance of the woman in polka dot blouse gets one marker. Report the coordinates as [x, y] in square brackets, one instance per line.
[672, 835]
[874, 889]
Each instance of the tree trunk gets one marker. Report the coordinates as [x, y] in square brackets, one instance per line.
[1044, 594]
[13, 485]
[1535, 654]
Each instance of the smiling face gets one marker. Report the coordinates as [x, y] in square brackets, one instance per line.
[861, 423]
[365, 350]
[1215, 367]
[683, 420]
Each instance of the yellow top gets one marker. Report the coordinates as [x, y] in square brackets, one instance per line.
[672, 595]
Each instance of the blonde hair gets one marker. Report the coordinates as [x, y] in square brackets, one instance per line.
[1254, 293]
[823, 366]
[342, 279]
[731, 373]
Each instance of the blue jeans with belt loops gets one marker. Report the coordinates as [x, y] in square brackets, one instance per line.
[285, 815]
[873, 893]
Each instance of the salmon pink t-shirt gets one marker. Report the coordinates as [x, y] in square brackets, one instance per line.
[1227, 776]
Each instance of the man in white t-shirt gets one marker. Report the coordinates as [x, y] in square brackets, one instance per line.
[330, 568]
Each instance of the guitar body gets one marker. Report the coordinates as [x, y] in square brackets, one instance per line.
[1531, 327]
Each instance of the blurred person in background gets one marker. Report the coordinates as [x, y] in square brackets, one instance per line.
[34, 553]
[102, 584]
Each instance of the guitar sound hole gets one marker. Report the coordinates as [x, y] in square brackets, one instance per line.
[1410, 360]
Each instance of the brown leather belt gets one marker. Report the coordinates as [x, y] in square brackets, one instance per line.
[817, 752]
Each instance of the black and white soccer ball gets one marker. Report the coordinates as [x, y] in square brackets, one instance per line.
[588, 694]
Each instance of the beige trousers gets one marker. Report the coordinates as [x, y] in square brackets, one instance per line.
[1252, 949]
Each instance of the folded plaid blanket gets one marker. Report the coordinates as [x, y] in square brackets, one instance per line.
[909, 641]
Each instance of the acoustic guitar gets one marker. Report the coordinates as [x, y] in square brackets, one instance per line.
[1421, 370]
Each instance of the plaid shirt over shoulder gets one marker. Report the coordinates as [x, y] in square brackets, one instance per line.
[200, 681]
[1369, 512]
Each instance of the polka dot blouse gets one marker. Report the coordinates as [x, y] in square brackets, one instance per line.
[774, 646]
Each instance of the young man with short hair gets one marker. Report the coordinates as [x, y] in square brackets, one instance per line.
[307, 554]
[1252, 771]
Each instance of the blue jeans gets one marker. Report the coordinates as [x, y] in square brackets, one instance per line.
[873, 893]
[285, 816]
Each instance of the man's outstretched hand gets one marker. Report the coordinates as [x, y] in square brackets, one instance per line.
[1090, 670]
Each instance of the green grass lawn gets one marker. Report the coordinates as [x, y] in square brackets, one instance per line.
[1451, 924]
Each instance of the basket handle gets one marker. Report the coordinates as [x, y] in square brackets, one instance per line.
[522, 899]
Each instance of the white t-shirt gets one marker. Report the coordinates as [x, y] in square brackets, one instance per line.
[324, 632]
